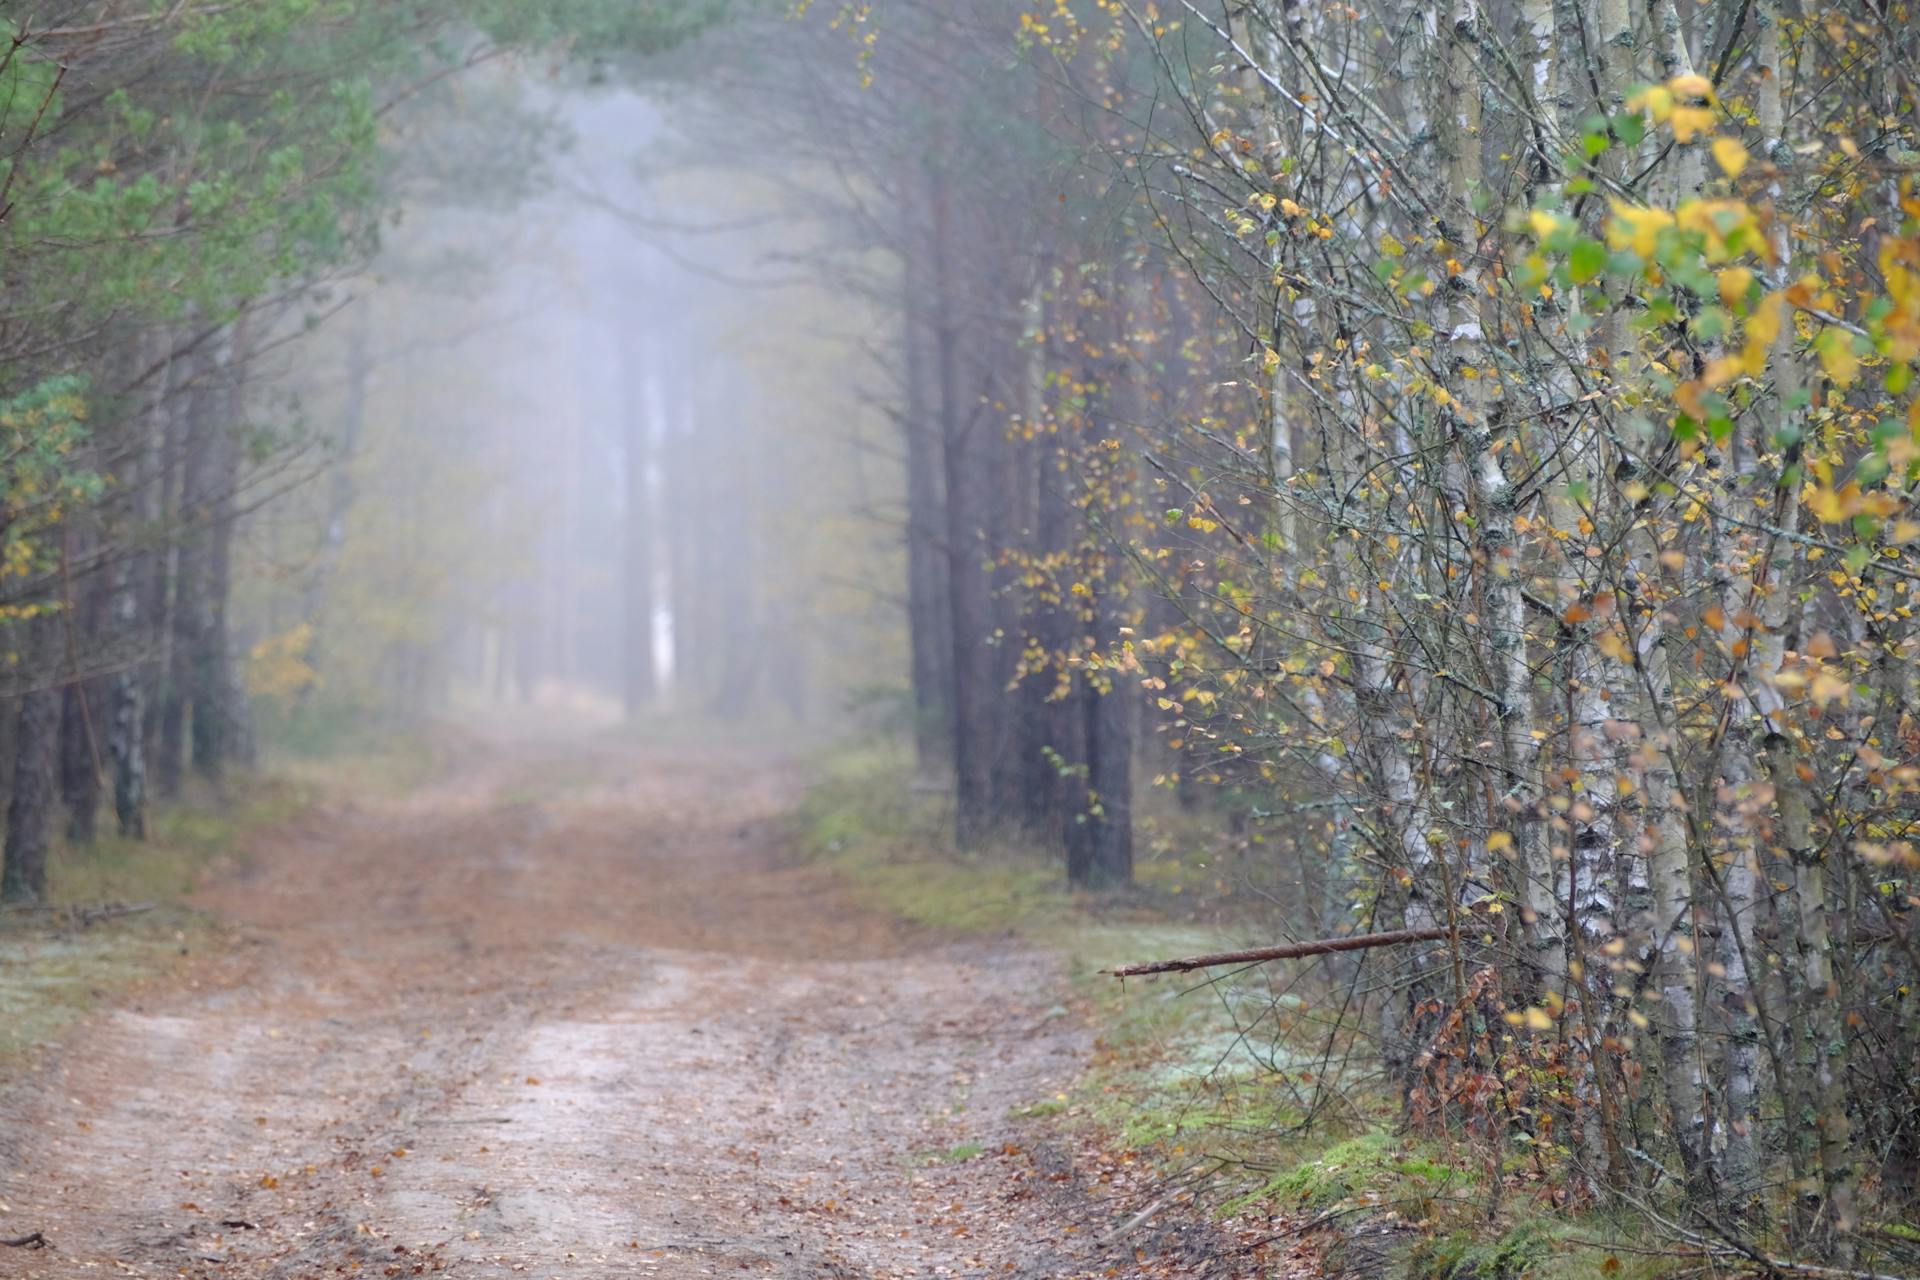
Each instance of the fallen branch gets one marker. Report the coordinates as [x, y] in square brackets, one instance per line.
[85, 915]
[475, 1120]
[34, 1241]
[111, 911]
[1286, 951]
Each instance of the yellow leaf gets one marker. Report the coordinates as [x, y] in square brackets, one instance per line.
[1828, 687]
[1828, 506]
[1637, 228]
[1836, 356]
[1499, 841]
[1723, 370]
[1694, 86]
[1734, 283]
[1688, 121]
[1730, 156]
[1539, 1020]
[1763, 330]
[1656, 102]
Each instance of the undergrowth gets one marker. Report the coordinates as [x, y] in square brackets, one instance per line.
[1226, 1076]
[867, 820]
[115, 913]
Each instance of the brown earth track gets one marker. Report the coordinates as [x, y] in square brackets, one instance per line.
[607, 1027]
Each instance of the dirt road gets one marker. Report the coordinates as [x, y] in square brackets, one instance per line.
[578, 1013]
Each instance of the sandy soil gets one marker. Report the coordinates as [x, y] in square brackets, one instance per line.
[574, 1012]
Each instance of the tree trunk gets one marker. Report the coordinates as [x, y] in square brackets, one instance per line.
[975, 699]
[930, 634]
[79, 766]
[30, 812]
[176, 579]
[216, 718]
[133, 606]
[340, 480]
[204, 656]
[641, 397]
[1109, 767]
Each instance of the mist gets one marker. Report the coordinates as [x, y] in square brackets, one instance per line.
[595, 447]
[935, 638]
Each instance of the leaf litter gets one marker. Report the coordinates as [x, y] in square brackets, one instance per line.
[622, 1032]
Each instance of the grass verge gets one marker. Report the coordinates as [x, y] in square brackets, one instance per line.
[1216, 1076]
[63, 957]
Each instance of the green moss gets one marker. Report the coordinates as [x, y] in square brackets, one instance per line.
[1339, 1173]
[1376, 1167]
[1539, 1245]
[958, 1155]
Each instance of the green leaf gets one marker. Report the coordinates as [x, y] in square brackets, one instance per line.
[1587, 259]
[1625, 263]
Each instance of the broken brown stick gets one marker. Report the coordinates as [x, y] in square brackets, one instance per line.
[1286, 951]
[111, 911]
[85, 915]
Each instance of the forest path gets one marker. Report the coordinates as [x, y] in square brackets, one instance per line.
[573, 1011]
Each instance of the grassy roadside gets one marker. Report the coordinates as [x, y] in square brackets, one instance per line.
[116, 914]
[1213, 1082]
[63, 957]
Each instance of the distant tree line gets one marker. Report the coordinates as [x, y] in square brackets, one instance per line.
[175, 183]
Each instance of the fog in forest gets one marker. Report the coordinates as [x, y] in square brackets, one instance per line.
[597, 445]
[960, 638]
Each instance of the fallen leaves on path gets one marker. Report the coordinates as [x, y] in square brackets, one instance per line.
[659, 1047]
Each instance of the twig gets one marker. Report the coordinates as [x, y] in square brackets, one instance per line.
[34, 1240]
[111, 911]
[476, 1120]
[85, 915]
[33, 127]
[1158, 1203]
[1286, 951]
